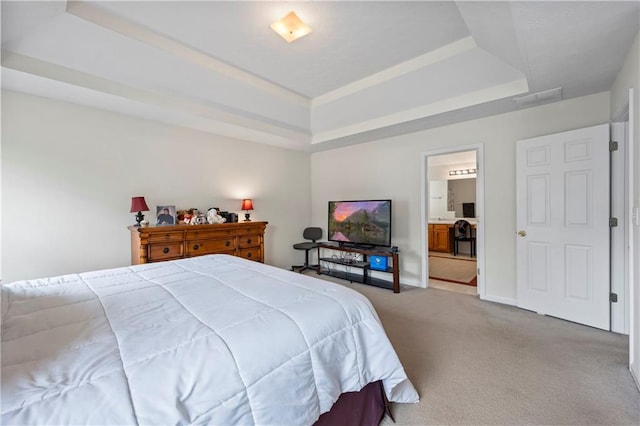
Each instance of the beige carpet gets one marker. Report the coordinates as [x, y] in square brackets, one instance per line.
[475, 363]
[461, 271]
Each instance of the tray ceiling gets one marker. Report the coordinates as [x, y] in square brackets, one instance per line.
[368, 70]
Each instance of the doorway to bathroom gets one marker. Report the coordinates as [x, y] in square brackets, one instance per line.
[451, 220]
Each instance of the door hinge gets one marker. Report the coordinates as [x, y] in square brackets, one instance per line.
[613, 146]
[613, 222]
[613, 297]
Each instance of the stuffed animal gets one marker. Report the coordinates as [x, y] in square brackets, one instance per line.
[214, 217]
[181, 216]
[190, 217]
[200, 219]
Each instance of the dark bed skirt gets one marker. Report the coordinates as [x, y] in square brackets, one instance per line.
[365, 408]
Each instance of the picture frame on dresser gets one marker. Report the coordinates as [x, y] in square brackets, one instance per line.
[166, 215]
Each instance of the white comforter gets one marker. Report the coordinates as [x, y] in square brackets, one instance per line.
[207, 340]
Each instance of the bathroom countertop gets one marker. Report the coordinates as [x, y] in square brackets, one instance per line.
[448, 221]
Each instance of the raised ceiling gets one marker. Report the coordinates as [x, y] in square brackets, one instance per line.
[368, 70]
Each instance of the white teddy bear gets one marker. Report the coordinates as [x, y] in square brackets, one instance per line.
[214, 217]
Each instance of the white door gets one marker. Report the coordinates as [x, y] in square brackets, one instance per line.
[563, 225]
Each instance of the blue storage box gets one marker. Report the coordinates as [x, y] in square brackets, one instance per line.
[378, 262]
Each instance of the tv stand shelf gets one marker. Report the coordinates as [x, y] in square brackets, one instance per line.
[364, 277]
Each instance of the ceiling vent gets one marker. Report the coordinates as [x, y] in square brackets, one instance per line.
[552, 95]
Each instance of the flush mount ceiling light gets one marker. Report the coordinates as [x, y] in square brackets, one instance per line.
[291, 27]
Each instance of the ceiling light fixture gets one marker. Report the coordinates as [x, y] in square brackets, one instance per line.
[291, 27]
[462, 172]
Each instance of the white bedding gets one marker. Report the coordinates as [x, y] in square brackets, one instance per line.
[206, 340]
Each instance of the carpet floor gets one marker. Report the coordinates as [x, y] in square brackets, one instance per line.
[481, 363]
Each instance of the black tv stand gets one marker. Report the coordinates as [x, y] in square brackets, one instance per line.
[357, 246]
[363, 264]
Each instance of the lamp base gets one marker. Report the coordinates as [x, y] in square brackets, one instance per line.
[246, 217]
[139, 218]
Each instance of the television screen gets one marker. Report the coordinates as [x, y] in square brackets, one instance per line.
[365, 222]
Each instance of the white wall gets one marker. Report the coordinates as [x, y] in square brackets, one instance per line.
[629, 78]
[69, 172]
[390, 168]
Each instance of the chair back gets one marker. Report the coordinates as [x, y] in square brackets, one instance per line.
[462, 229]
[312, 233]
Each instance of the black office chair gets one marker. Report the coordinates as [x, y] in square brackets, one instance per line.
[313, 234]
[462, 231]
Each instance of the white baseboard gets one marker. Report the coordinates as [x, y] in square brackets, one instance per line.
[634, 375]
[498, 299]
[412, 283]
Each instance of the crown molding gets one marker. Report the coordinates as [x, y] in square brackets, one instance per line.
[97, 16]
[446, 105]
[106, 94]
[422, 61]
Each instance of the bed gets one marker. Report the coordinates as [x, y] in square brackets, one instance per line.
[206, 340]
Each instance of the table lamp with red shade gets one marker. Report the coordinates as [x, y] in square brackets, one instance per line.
[247, 205]
[138, 204]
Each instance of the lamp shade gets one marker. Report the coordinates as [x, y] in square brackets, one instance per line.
[138, 205]
[247, 204]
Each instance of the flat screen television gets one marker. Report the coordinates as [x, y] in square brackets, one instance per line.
[360, 223]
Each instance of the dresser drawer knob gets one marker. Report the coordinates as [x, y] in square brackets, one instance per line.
[196, 247]
[165, 250]
[248, 240]
[167, 236]
[227, 243]
[248, 254]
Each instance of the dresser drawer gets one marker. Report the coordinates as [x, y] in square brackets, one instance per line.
[441, 227]
[250, 230]
[245, 241]
[165, 251]
[158, 237]
[195, 234]
[200, 247]
[254, 253]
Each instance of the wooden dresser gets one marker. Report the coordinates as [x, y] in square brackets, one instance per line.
[160, 243]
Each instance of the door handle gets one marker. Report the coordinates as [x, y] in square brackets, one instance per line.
[522, 233]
